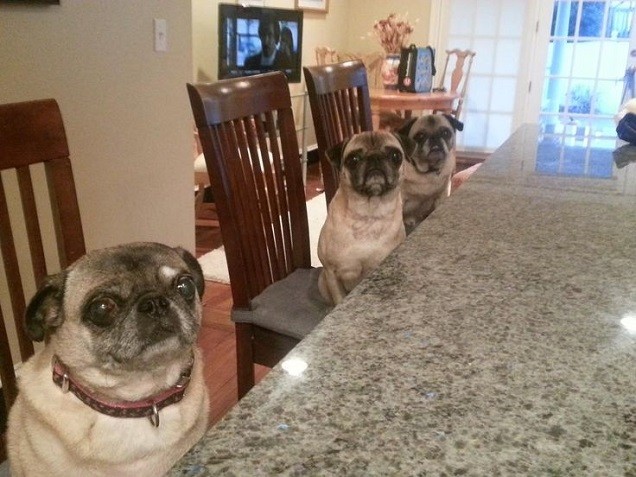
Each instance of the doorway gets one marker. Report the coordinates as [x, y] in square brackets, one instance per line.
[565, 64]
[585, 79]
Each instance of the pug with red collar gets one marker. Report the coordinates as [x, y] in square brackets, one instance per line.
[428, 170]
[117, 388]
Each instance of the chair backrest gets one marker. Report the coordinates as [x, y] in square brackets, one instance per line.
[372, 62]
[340, 107]
[458, 76]
[32, 136]
[248, 135]
[325, 55]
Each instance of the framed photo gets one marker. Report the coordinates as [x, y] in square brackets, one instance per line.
[321, 6]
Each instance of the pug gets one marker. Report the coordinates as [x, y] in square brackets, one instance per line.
[428, 171]
[117, 388]
[364, 218]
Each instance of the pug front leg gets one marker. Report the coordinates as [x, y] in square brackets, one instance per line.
[350, 277]
[330, 287]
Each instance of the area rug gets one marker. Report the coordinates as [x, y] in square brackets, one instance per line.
[214, 264]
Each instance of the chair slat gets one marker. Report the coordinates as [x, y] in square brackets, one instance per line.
[34, 234]
[7, 371]
[66, 213]
[14, 278]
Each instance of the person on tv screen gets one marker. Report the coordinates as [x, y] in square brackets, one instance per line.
[287, 43]
[270, 57]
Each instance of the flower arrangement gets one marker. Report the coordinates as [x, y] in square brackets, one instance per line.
[393, 32]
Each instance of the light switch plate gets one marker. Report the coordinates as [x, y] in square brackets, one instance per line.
[161, 34]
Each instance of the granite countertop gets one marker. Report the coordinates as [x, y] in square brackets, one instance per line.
[499, 339]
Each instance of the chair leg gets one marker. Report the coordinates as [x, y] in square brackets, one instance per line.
[244, 358]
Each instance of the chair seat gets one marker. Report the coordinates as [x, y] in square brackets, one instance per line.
[296, 297]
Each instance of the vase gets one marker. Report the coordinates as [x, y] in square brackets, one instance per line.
[389, 70]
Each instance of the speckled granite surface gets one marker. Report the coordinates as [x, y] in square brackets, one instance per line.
[493, 342]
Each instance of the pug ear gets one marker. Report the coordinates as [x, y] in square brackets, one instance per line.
[44, 312]
[406, 127]
[456, 123]
[408, 145]
[334, 153]
[195, 268]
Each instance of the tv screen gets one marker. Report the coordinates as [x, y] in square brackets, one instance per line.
[254, 40]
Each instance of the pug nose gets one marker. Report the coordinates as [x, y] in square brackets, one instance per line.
[153, 305]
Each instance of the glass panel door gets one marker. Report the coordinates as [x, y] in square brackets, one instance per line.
[494, 29]
[586, 79]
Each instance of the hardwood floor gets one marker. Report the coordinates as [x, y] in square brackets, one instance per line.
[216, 339]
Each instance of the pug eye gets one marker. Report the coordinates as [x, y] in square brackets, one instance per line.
[445, 134]
[420, 137]
[395, 157]
[186, 287]
[102, 312]
[353, 160]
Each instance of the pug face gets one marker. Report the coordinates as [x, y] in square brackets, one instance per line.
[434, 136]
[121, 308]
[370, 162]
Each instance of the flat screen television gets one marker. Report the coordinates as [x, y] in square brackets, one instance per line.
[254, 40]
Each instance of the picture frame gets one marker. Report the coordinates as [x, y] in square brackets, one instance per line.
[318, 6]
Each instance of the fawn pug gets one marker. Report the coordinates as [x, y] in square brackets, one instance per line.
[117, 388]
[428, 171]
[364, 219]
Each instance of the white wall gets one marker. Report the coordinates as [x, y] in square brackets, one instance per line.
[125, 108]
[364, 13]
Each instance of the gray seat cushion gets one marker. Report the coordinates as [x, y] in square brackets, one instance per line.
[292, 306]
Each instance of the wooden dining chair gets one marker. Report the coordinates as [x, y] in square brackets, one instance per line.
[340, 107]
[262, 215]
[325, 55]
[37, 200]
[458, 81]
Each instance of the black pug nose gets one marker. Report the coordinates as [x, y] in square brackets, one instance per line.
[155, 305]
[436, 146]
[376, 162]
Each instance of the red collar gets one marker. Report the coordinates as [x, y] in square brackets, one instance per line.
[148, 407]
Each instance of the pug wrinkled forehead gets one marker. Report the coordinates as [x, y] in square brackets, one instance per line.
[372, 141]
[432, 127]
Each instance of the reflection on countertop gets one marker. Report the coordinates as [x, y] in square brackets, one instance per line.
[549, 161]
[497, 340]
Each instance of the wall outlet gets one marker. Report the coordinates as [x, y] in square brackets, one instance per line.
[161, 34]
